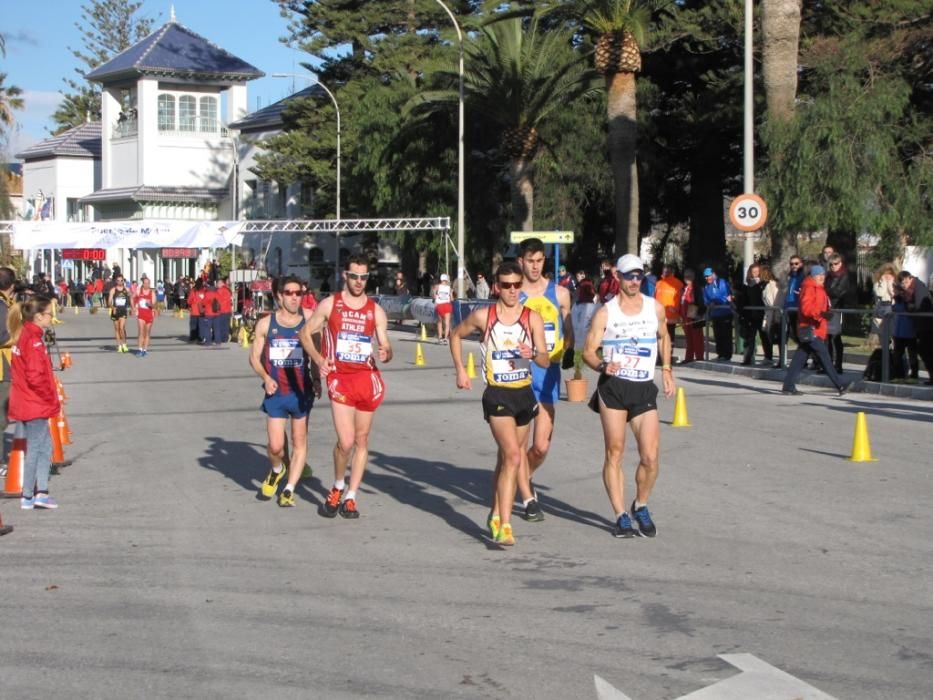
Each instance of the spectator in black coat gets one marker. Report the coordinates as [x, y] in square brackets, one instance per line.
[840, 292]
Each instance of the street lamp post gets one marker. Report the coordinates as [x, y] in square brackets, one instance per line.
[748, 146]
[313, 79]
[461, 270]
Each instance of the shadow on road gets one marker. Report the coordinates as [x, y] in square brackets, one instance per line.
[407, 479]
[246, 464]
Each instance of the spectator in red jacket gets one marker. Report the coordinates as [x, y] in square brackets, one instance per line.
[204, 299]
[33, 396]
[812, 322]
[224, 306]
[609, 283]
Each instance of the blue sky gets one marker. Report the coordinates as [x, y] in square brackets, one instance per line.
[39, 33]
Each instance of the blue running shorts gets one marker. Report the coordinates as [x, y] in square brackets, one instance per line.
[289, 405]
[545, 383]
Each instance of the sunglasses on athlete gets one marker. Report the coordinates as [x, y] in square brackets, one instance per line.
[358, 276]
[510, 285]
[632, 276]
[291, 292]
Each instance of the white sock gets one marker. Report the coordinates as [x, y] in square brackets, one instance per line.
[639, 505]
[525, 503]
[340, 485]
[350, 495]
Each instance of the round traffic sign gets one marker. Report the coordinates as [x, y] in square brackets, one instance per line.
[748, 212]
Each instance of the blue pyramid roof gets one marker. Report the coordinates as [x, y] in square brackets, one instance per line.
[175, 51]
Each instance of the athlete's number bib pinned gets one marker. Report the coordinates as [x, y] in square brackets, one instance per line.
[354, 347]
[507, 366]
[550, 335]
[285, 352]
[633, 358]
[120, 301]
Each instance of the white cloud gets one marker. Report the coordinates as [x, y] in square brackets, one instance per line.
[34, 120]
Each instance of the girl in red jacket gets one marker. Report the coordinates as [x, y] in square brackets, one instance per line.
[33, 396]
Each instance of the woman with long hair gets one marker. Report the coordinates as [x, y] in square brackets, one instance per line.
[33, 396]
[143, 304]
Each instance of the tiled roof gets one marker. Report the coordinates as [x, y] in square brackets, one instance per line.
[143, 193]
[174, 50]
[82, 141]
[271, 116]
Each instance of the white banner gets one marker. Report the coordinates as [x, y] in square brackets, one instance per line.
[36, 235]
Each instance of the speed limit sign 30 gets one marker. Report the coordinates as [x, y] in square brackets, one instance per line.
[748, 212]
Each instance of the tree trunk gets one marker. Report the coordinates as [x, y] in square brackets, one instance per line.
[623, 143]
[780, 42]
[521, 184]
[707, 246]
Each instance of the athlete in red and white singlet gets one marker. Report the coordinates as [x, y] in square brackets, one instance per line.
[143, 305]
[355, 333]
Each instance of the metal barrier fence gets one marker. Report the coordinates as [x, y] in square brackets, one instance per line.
[881, 324]
[421, 309]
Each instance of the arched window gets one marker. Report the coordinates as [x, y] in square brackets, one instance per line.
[187, 113]
[208, 114]
[166, 113]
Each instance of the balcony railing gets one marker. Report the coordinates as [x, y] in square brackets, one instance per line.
[192, 126]
[125, 128]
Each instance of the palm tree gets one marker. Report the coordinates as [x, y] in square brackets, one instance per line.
[516, 75]
[621, 29]
[9, 96]
[9, 100]
[780, 40]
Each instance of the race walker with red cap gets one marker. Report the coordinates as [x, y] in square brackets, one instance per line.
[631, 329]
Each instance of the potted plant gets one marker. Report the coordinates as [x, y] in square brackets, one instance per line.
[577, 389]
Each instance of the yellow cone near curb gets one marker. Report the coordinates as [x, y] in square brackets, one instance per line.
[419, 355]
[680, 411]
[244, 338]
[424, 332]
[76, 311]
[471, 366]
[861, 447]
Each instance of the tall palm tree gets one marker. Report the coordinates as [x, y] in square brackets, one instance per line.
[516, 75]
[780, 41]
[620, 28]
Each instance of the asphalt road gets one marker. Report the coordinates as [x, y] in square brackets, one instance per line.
[163, 576]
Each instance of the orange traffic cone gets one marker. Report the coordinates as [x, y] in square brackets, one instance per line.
[66, 360]
[58, 453]
[61, 425]
[13, 486]
[62, 396]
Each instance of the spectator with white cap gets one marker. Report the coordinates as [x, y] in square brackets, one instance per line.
[443, 307]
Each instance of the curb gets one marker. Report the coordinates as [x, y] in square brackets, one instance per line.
[902, 391]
